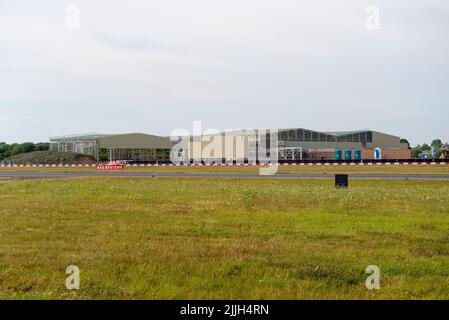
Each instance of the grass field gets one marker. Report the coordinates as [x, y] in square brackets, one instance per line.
[216, 239]
[411, 169]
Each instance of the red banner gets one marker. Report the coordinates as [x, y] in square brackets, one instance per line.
[111, 166]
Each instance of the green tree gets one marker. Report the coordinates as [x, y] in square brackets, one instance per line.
[425, 147]
[104, 154]
[23, 148]
[42, 146]
[437, 143]
[7, 150]
[416, 151]
[406, 141]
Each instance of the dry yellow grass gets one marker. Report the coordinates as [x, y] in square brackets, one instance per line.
[215, 239]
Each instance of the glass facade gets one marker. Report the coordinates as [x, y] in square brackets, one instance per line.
[306, 136]
[363, 137]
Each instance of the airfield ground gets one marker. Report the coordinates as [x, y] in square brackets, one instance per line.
[392, 169]
[140, 238]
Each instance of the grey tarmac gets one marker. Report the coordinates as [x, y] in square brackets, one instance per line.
[50, 175]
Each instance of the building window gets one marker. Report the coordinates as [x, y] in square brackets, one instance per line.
[363, 137]
[292, 135]
[307, 135]
[300, 135]
[283, 135]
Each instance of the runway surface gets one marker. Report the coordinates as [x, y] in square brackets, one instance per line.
[50, 175]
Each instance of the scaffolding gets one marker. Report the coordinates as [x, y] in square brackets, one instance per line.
[83, 144]
[139, 155]
[137, 147]
[290, 153]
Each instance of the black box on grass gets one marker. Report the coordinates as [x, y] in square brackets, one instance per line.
[341, 180]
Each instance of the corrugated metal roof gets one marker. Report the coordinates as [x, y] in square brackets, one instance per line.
[344, 133]
[80, 136]
[135, 141]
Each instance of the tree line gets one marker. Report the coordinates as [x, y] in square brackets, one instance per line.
[8, 150]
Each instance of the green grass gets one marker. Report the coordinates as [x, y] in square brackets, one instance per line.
[217, 239]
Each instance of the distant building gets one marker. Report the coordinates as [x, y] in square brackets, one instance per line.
[242, 145]
[128, 146]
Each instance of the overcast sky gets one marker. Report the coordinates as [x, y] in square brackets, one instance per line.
[154, 66]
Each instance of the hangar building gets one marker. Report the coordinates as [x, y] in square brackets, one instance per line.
[292, 144]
